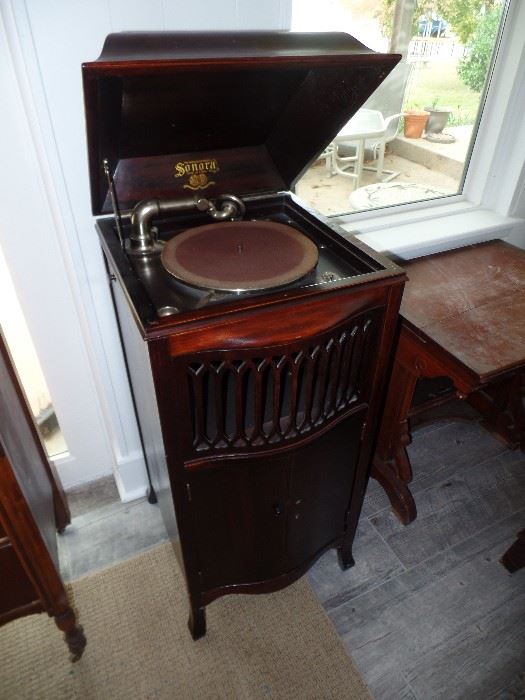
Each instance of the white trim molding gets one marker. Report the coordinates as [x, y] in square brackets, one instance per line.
[60, 301]
[31, 241]
[421, 233]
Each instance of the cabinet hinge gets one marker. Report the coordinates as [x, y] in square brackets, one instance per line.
[188, 492]
[363, 431]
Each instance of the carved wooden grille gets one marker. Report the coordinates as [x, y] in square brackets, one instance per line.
[272, 397]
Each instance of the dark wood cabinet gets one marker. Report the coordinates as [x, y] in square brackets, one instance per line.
[258, 383]
[259, 443]
[257, 518]
[32, 508]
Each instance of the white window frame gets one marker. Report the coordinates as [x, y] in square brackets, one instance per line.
[492, 202]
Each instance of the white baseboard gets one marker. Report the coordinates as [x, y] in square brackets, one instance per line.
[130, 475]
[70, 475]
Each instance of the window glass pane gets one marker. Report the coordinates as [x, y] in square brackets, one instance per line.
[27, 365]
[411, 140]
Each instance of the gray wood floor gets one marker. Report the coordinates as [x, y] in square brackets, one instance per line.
[428, 611]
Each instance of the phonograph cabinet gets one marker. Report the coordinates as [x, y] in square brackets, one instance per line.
[257, 338]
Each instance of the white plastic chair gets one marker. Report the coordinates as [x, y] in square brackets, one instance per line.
[367, 130]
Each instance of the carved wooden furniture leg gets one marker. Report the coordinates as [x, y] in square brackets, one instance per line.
[399, 495]
[416, 357]
[502, 409]
[66, 622]
[461, 318]
[514, 557]
[391, 466]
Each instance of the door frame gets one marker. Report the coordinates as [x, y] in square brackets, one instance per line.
[87, 381]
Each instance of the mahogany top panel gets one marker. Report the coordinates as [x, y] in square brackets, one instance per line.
[471, 302]
[181, 112]
[203, 46]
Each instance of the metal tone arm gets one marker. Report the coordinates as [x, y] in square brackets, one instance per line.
[143, 240]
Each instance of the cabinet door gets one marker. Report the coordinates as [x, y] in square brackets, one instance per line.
[322, 476]
[238, 509]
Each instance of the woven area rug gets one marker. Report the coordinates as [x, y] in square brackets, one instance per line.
[134, 615]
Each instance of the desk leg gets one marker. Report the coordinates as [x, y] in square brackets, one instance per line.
[391, 465]
[501, 406]
[415, 357]
[514, 557]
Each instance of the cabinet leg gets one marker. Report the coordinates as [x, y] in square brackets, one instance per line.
[152, 496]
[344, 555]
[197, 622]
[75, 639]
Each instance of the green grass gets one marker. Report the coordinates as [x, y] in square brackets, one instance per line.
[439, 83]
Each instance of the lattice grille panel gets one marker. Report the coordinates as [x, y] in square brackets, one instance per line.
[270, 398]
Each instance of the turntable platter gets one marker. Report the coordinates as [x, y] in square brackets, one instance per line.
[240, 255]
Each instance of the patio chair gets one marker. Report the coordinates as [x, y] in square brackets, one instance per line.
[367, 131]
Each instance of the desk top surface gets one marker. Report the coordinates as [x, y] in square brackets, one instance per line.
[471, 301]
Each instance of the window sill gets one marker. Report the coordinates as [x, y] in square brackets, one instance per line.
[422, 230]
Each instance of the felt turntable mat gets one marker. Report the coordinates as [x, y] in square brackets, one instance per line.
[240, 255]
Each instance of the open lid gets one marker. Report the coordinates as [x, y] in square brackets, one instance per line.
[176, 113]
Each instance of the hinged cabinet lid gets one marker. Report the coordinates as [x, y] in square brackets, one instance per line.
[177, 113]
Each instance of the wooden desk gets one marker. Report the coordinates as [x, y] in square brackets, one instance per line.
[462, 317]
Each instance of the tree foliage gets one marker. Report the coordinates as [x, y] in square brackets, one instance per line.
[473, 68]
[462, 15]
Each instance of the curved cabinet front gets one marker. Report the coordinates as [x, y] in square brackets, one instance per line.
[264, 519]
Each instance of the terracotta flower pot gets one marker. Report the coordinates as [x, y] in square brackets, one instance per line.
[415, 121]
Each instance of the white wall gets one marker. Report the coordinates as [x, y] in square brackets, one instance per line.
[14, 328]
[47, 234]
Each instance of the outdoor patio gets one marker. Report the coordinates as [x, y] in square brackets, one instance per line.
[434, 165]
